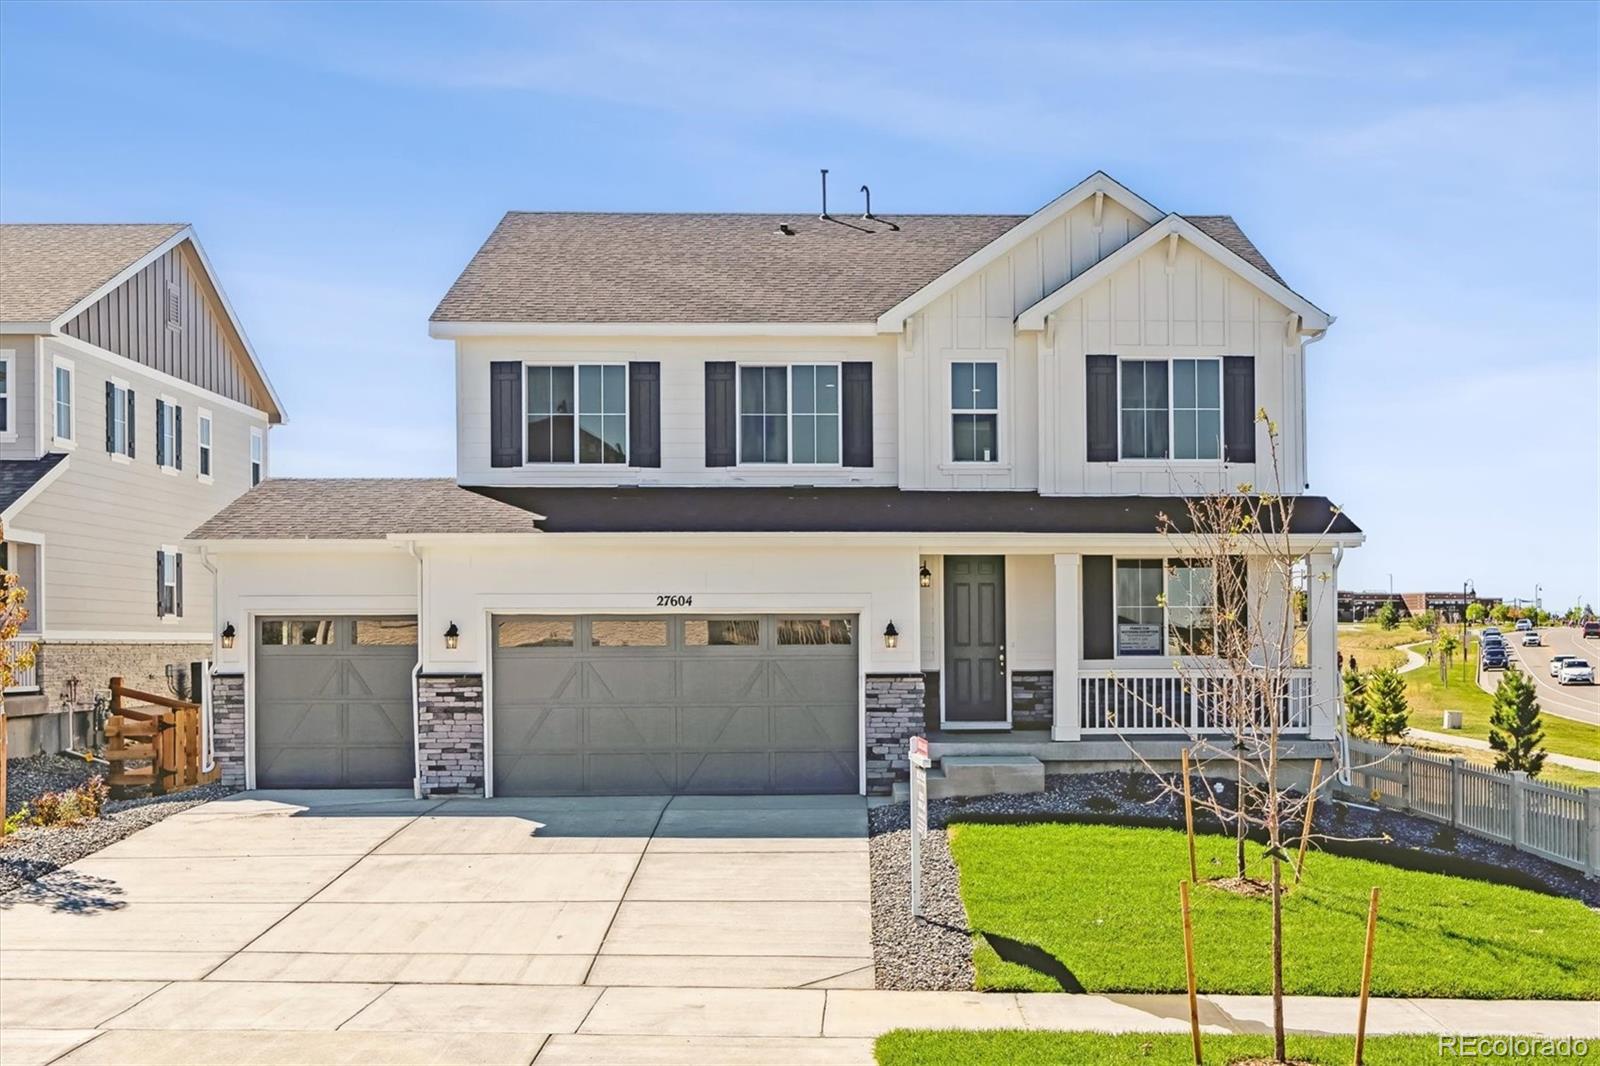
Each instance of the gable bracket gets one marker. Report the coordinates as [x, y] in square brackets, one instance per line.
[1172, 251]
[1099, 208]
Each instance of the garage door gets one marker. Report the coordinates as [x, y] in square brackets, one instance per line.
[667, 704]
[333, 702]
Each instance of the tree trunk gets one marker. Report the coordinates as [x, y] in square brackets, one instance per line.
[1279, 1049]
[1239, 818]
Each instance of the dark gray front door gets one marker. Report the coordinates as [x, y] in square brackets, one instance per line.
[333, 702]
[975, 639]
[662, 704]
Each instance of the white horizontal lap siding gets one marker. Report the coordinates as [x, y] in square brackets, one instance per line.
[21, 440]
[103, 520]
[1198, 309]
[975, 322]
[682, 406]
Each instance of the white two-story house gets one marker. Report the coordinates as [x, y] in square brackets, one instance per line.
[132, 408]
[744, 501]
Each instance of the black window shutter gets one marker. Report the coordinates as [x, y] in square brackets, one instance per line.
[644, 414]
[177, 446]
[111, 417]
[161, 572]
[161, 437]
[177, 591]
[132, 408]
[1098, 637]
[856, 407]
[1239, 409]
[1100, 415]
[721, 415]
[505, 414]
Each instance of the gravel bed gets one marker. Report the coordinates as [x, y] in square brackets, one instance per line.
[33, 851]
[936, 952]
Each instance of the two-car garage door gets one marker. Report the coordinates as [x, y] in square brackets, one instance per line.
[665, 703]
[581, 704]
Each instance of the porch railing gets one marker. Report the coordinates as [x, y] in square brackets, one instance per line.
[22, 680]
[1133, 702]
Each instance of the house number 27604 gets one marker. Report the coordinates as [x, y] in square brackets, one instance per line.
[674, 601]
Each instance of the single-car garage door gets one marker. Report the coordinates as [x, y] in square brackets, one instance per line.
[669, 704]
[333, 702]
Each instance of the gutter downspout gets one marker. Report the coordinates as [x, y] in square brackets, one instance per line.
[1340, 721]
[1305, 414]
[208, 754]
[416, 673]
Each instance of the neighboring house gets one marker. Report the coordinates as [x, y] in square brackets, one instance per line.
[132, 408]
[1449, 606]
[744, 501]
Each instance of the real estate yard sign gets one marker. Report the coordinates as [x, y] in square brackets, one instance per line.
[920, 764]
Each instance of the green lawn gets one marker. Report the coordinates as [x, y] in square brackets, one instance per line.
[1373, 646]
[1428, 699]
[920, 1047]
[1096, 907]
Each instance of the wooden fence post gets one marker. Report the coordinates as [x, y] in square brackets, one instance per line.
[1591, 826]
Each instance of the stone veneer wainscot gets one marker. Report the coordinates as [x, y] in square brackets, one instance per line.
[450, 734]
[227, 727]
[894, 714]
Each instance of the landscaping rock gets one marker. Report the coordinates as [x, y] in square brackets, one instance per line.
[28, 779]
[932, 953]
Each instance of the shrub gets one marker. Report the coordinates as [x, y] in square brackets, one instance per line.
[73, 805]
[1385, 701]
[1388, 616]
[16, 820]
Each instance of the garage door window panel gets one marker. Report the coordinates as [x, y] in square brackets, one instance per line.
[628, 633]
[384, 632]
[536, 632]
[722, 633]
[297, 632]
[801, 632]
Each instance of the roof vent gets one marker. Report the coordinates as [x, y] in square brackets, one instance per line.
[824, 216]
[784, 230]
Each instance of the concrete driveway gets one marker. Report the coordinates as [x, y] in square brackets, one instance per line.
[368, 927]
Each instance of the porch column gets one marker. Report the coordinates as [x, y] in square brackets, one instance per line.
[1069, 646]
[1322, 643]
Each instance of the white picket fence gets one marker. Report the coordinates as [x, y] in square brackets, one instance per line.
[1556, 822]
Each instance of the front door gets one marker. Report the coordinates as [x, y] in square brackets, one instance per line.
[975, 640]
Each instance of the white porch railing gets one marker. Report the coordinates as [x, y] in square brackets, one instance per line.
[1133, 702]
[25, 680]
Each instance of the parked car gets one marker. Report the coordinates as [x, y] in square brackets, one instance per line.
[1555, 663]
[1524, 624]
[1576, 672]
[1591, 629]
[1531, 639]
[1494, 656]
[1490, 633]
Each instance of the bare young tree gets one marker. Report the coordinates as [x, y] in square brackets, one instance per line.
[1236, 563]
[13, 660]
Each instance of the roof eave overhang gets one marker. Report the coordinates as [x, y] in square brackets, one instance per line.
[33, 491]
[459, 330]
[1313, 321]
[25, 327]
[894, 319]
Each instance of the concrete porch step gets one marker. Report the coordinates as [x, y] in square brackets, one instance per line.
[980, 775]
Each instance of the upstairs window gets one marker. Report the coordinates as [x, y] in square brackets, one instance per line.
[789, 414]
[258, 454]
[119, 419]
[975, 412]
[578, 414]
[6, 368]
[169, 583]
[169, 435]
[204, 435]
[1171, 409]
[63, 401]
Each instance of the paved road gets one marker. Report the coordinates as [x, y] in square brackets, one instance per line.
[1579, 702]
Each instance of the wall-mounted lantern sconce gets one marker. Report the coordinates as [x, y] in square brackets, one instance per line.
[925, 577]
[891, 636]
[228, 634]
[452, 637]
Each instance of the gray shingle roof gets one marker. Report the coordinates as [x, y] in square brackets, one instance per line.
[359, 509]
[17, 476]
[586, 267]
[46, 268]
[1226, 232]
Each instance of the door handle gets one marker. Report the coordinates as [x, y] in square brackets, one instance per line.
[1002, 658]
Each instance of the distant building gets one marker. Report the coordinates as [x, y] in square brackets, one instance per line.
[1359, 606]
[1447, 605]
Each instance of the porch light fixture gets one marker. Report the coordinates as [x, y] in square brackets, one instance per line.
[891, 635]
[452, 637]
[228, 634]
[925, 576]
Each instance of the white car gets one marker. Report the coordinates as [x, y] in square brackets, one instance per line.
[1530, 639]
[1490, 633]
[1524, 624]
[1576, 672]
[1555, 663]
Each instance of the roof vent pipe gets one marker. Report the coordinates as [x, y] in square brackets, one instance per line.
[824, 216]
[866, 215]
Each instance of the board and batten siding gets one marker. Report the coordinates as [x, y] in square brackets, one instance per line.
[1197, 309]
[103, 520]
[683, 360]
[21, 438]
[132, 321]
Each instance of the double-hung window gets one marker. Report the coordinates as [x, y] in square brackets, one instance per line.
[1171, 409]
[7, 373]
[258, 456]
[119, 419]
[975, 412]
[1165, 607]
[203, 439]
[578, 414]
[169, 583]
[63, 401]
[169, 435]
[789, 414]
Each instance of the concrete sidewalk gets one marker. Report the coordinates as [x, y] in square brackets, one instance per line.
[132, 1023]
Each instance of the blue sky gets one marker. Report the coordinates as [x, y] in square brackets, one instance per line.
[1428, 173]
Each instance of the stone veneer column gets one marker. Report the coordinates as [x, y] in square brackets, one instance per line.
[450, 755]
[227, 727]
[894, 713]
[1032, 699]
